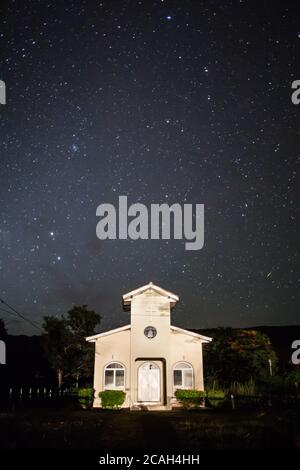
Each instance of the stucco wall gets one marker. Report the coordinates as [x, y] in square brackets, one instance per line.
[186, 348]
[131, 348]
[111, 348]
[149, 309]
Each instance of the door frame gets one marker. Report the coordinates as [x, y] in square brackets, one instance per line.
[163, 374]
[143, 369]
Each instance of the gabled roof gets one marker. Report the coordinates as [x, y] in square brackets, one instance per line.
[92, 339]
[127, 298]
[204, 339]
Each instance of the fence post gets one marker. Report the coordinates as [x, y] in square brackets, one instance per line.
[232, 401]
[12, 399]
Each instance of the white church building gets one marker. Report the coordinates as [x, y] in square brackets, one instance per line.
[148, 358]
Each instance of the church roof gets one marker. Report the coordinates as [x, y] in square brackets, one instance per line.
[176, 329]
[92, 339]
[127, 298]
[204, 339]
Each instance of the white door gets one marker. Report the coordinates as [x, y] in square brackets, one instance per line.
[149, 382]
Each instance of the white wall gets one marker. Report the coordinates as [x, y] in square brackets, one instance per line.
[148, 309]
[112, 348]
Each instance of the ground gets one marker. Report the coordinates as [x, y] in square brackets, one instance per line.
[142, 430]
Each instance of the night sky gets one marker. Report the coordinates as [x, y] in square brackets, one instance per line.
[162, 101]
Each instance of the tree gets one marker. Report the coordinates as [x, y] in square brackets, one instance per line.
[239, 355]
[66, 349]
[82, 323]
[57, 340]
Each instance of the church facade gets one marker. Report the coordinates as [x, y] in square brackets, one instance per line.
[148, 358]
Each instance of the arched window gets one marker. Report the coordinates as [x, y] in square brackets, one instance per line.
[183, 376]
[114, 376]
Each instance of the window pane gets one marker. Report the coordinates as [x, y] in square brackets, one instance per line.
[183, 365]
[109, 377]
[115, 365]
[177, 378]
[188, 378]
[119, 378]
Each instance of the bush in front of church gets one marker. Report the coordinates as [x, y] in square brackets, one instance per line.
[190, 398]
[86, 397]
[216, 398]
[112, 399]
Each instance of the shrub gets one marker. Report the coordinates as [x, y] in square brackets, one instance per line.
[248, 388]
[112, 398]
[216, 398]
[212, 383]
[190, 398]
[293, 381]
[86, 397]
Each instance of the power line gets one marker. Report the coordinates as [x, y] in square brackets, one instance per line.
[10, 317]
[7, 311]
[19, 314]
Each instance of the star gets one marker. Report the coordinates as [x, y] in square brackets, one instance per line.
[74, 148]
[129, 120]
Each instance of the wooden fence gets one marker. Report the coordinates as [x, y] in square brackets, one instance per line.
[259, 401]
[27, 397]
[15, 397]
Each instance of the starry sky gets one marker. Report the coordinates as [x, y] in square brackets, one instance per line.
[161, 101]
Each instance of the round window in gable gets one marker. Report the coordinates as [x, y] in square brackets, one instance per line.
[150, 332]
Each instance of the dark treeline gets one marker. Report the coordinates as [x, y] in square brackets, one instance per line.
[60, 357]
[26, 363]
[281, 338]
